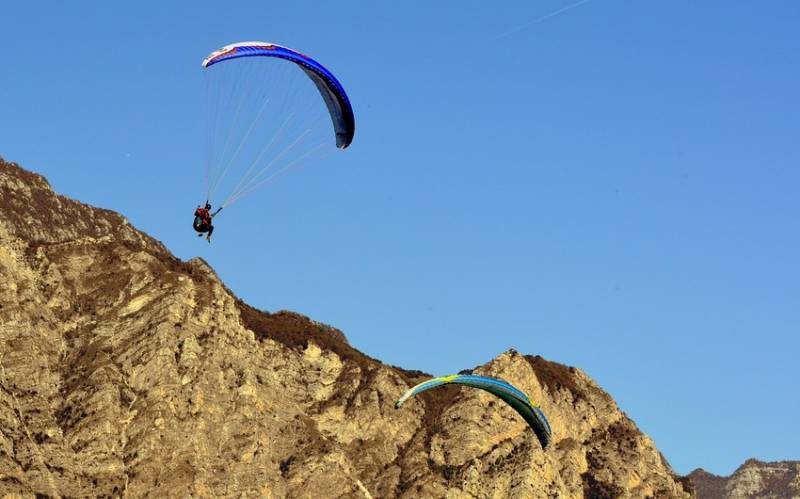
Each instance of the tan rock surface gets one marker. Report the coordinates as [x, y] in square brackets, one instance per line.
[127, 372]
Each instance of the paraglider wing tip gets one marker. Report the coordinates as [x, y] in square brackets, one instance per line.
[343, 141]
[407, 395]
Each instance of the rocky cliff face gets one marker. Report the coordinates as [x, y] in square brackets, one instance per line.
[753, 480]
[125, 371]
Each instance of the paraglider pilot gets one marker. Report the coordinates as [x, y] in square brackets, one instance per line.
[202, 220]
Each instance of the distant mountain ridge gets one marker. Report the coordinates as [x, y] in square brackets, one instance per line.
[753, 479]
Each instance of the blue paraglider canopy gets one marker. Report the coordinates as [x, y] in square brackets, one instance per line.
[329, 87]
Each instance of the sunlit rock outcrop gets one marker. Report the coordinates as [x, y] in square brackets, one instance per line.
[125, 371]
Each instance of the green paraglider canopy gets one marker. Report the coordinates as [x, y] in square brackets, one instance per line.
[510, 394]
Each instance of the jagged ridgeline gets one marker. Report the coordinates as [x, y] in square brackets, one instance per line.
[126, 371]
[754, 479]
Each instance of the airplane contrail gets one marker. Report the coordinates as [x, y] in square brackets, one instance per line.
[543, 18]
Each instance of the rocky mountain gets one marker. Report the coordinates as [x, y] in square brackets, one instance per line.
[125, 371]
[753, 480]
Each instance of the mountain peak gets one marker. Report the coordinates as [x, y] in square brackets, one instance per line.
[126, 371]
[32, 211]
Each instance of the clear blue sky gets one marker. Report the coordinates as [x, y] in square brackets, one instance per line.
[614, 188]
